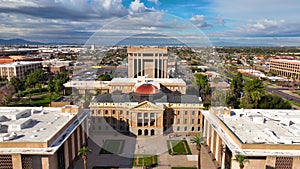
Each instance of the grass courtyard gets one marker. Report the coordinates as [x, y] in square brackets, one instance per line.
[112, 147]
[178, 147]
[145, 159]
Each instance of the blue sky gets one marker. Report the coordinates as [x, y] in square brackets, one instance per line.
[241, 22]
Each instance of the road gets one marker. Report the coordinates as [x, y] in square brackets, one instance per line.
[282, 94]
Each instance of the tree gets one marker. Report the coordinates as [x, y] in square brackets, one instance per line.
[253, 89]
[199, 141]
[204, 87]
[241, 159]
[51, 88]
[105, 77]
[273, 101]
[236, 86]
[83, 153]
[30, 82]
[17, 84]
[256, 96]
[6, 94]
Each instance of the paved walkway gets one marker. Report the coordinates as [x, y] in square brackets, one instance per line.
[147, 145]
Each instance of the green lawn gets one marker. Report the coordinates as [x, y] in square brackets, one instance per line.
[146, 159]
[178, 147]
[42, 101]
[112, 147]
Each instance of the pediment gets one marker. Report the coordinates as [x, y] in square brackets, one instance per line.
[146, 105]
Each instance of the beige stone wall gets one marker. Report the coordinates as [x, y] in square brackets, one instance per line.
[16, 160]
[296, 163]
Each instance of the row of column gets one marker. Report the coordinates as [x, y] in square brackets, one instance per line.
[215, 144]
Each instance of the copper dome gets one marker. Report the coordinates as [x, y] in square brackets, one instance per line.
[147, 89]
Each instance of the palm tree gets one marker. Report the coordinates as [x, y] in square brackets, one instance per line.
[241, 159]
[256, 96]
[83, 153]
[199, 141]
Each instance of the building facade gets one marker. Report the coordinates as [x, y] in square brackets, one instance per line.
[267, 138]
[146, 111]
[286, 68]
[41, 138]
[19, 69]
[147, 61]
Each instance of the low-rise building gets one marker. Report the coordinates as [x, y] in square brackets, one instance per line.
[37, 137]
[268, 138]
[19, 69]
[286, 68]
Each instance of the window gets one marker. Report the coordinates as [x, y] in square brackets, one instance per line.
[113, 112]
[171, 121]
[185, 121]
[193, 121]
[185, 128]
[185, 113]
[99, 111]
[139, 115]
[199, 112]
[178, 128]
[193, 113]
[92, 111]
[121, 112]
[127, 113]
[178, 121]
[198, 121]
[178, 112]
[106, 111]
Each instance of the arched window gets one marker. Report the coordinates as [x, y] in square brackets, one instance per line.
[152, 132]
[139, 132]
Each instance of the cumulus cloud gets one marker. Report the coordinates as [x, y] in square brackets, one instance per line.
[265, 28]
[137, 6]
[67, 9]
[200, 21]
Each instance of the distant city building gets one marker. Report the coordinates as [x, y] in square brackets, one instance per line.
[286, 68]
[268, 138]
[19, 69]
[11, 59]
[147, 61]
[58, 69]
[37, 137]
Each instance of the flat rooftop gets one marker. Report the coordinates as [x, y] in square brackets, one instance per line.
[19, 63]
[31, 124]
[286, 61]
[158, 80]
[263, 128]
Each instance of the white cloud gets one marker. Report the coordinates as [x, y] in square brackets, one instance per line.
[154, 1]
[199, 21]
[265, 28]
[137, 7]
